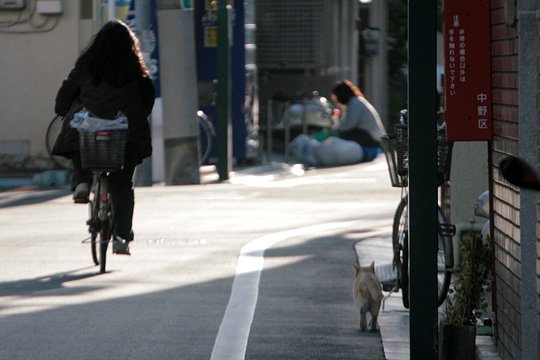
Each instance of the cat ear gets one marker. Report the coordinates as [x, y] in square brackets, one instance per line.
[356, 268]
[372, 266]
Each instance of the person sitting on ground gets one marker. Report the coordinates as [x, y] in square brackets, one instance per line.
[359, 120]
[110, 76]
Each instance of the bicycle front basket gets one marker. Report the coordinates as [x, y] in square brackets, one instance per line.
[104, 150]
[389, 147]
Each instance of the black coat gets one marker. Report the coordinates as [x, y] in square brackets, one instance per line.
[135, 99]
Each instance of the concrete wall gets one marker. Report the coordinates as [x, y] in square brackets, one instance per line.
[34, 61]
[179, 93]
[39, 52]
[376, 66]
[329, 51]
[515, 109]
[469, 178]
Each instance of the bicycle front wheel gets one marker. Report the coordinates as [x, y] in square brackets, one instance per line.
[92, 223]
[100, 225]
[444, 249]
[104, 236]
[400, 244]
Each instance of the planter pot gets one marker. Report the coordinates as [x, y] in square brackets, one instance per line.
[457, 342]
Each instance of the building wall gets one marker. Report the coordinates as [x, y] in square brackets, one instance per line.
[37, 55]
[297, 53]
[468, 178]
[506, 198]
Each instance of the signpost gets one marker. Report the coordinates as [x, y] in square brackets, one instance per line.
[467, 56]
[423, 179]
[224, 131]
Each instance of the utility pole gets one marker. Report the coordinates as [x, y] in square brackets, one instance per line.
[224, 149]
[423, 179]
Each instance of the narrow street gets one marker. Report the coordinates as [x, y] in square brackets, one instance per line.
[286, 243]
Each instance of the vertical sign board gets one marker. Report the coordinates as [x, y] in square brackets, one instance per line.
[467, 55]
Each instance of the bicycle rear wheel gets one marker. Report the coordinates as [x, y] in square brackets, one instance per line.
[53, 130]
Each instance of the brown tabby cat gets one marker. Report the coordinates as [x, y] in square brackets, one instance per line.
[367, 293]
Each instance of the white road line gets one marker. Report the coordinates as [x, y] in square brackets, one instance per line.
[232, 338]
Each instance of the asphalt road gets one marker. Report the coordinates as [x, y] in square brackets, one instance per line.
[258, 268]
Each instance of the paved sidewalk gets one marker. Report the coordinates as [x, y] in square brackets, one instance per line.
[394, 318]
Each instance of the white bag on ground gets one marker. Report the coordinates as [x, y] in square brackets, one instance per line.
[302, 149]
[335, 152]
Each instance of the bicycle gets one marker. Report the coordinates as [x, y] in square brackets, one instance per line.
[102, 152]
[101, 219]
[395, 149]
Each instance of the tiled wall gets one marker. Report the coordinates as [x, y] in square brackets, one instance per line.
[504, 48]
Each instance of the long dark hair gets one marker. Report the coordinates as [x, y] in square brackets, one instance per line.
[344, 90]
[114, 55]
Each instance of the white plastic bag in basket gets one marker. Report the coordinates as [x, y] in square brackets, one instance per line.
[84, 120]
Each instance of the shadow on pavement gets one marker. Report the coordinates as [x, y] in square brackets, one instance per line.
[29, 197]
[46, 285]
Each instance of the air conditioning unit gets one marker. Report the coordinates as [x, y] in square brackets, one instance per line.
[49, 7]
[12, 4]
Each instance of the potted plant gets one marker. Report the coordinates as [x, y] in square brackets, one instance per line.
[466, 301]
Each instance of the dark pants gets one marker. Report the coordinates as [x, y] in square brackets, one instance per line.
[121, 190]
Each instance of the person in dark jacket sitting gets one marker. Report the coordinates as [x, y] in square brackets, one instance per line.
[108, 77]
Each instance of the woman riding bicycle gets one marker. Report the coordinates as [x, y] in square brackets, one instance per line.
[109, 76]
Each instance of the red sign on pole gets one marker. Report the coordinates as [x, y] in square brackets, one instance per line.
[467, 70]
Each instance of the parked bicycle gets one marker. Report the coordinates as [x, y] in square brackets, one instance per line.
[395, 148]
[207, 136]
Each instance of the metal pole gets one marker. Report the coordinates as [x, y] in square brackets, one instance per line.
[423, 179]
[224, 150]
